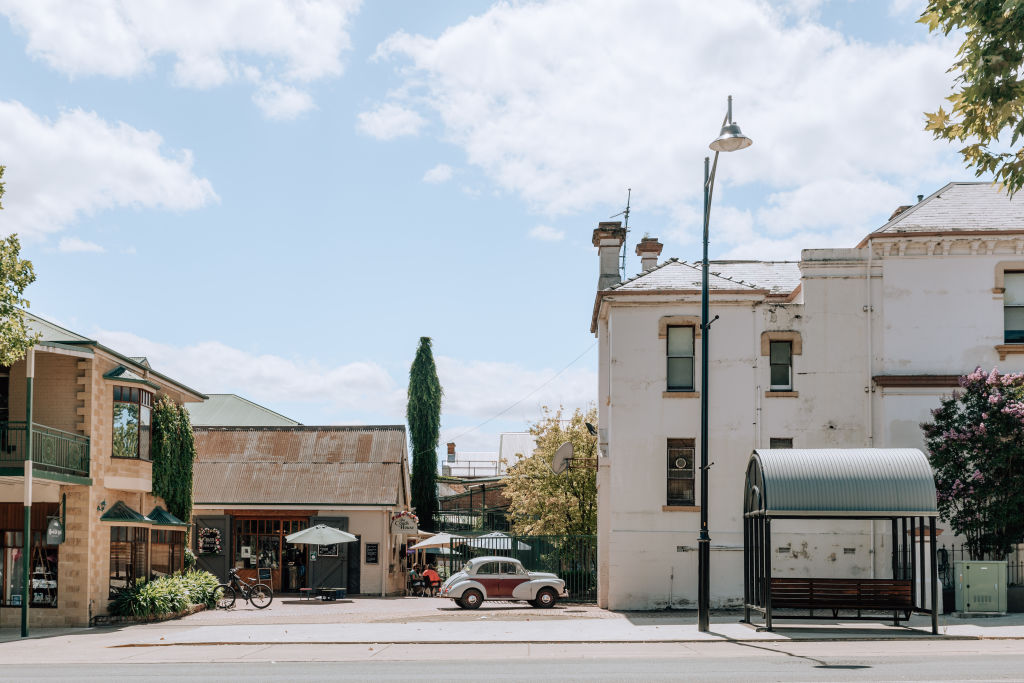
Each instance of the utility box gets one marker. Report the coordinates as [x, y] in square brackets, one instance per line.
[980, 587]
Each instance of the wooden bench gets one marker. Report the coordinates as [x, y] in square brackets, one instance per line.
[843, 594]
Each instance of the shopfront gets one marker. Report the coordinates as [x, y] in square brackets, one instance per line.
[43, 559]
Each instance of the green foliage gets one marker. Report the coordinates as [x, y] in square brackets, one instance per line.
[174, 452]
[2, 188]
[544, 503]
[423, 413]
[190, 559]
[976, 446]
[16, 274]
[166, 595]
[988, 99]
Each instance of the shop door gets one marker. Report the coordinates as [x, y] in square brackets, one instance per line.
[216, 529]
[354, 551]
[330, 568]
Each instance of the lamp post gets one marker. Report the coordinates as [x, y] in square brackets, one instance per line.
[729, 139]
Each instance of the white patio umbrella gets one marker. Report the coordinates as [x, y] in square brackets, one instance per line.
[321, 534]
[442, 540]
[495, 541]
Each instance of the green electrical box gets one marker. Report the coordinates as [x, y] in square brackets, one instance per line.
[980, 587]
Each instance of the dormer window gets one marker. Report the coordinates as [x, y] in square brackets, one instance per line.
[1013, 308]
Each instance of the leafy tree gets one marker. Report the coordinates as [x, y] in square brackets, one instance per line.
[976, 445]
[989, 93]
[423, 412]
[16, 274]
[173, 453]
[544, 503]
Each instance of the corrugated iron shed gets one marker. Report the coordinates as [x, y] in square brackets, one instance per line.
[841, 482]
[299, 465]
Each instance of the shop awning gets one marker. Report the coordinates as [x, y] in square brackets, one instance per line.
[161, 517]
[119, 512]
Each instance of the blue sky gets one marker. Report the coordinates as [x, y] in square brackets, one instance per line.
[278, 199]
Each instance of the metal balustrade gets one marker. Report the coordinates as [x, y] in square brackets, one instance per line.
[53, 450]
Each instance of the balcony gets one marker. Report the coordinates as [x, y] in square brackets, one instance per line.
[56, 454]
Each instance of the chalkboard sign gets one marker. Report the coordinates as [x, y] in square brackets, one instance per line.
[264, 574]
[371, 553]
[209, 541]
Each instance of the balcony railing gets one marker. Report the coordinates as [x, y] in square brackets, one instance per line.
[53, 450]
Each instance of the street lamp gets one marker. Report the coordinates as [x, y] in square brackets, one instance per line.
[730, 139]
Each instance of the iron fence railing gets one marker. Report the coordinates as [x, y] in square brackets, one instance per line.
[572, 558]
[53, 450]
[947, 555]
[460, 520]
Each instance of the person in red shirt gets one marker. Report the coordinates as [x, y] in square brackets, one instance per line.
[432, 579]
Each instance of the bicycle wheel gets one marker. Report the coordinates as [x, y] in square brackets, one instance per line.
[225, 596]
[261, 595]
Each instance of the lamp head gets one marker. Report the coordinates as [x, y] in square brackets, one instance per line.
[730, 139]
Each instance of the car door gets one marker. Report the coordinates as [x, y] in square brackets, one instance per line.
[511, 576]
[488, 576]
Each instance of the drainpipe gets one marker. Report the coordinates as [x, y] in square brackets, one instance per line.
[870, 407]
[384, 557]
[26, 589]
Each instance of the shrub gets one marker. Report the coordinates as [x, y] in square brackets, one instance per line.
[166, 595]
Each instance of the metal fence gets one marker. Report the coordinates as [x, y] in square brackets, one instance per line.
[572, 558]
[957, 553]
[52, 449]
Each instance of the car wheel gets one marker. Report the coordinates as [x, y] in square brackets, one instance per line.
[546, 597]
[471, 599]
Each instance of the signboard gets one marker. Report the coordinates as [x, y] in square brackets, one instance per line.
[209, 541]
[371, 553]
[329, 550]
[264, 574]
[404, 525]
[54, 532]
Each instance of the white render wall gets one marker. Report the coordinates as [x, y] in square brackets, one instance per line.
[932, 313]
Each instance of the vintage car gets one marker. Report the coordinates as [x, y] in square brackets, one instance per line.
[501, 578]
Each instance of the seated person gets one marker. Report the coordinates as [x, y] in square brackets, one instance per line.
[432, 579]
[415, 580]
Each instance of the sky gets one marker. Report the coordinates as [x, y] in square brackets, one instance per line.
[278, 199]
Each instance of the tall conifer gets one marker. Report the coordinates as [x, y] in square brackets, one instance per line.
[423, 413]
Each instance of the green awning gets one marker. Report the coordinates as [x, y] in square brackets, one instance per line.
[162, 517]
[119, 512]
[123, 374]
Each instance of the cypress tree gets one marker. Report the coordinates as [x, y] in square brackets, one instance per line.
[423, 413]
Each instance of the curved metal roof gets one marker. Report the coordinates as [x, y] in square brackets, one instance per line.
[840, 482]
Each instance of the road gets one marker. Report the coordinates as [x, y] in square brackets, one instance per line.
[716, 661]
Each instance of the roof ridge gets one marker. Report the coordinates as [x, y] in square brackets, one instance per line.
[723, 277]
[299, 428]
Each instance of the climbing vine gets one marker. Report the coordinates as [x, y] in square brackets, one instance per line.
[174, 452]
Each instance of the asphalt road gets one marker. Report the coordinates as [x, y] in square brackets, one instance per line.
[961, 661]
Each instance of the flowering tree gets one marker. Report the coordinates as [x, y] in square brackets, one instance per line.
[976, 445]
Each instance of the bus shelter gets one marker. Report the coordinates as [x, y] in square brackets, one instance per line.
[894, 484]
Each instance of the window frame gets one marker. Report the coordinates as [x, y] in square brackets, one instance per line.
[135, 542]
[673, 446]
[772, 386]
[143, 399]
[669, 357]
[773, 442]
[1016, 307]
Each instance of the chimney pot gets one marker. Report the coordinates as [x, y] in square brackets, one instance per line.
[608, 238]
[649, 249]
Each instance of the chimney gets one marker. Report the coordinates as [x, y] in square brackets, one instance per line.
[451, 451]
[649, 250]
[608, 238]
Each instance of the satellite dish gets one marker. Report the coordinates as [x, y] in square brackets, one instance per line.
[562, 457]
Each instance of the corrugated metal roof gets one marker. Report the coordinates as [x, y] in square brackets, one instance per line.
[881, 482]
[299, 465]
[231, 410]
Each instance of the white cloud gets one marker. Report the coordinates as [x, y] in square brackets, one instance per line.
[564, 106]
[390, 121]
[547, 234]
[211, 43]
[282, 102]
[58, 170]
[73, 244]
[441, 173]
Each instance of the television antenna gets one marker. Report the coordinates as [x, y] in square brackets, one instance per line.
[625, 224]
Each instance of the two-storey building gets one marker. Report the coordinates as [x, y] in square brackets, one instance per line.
[848, 347]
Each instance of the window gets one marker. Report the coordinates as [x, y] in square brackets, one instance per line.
[1013, 308]
[168, 553]
[780, 442]
[128, 553]
[132, 410]
[680, 472]
[680, 358]
[780, 361]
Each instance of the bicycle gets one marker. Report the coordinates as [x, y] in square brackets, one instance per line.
[259, 594]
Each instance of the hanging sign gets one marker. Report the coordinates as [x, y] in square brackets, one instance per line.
[405, 523]
[54, 532]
